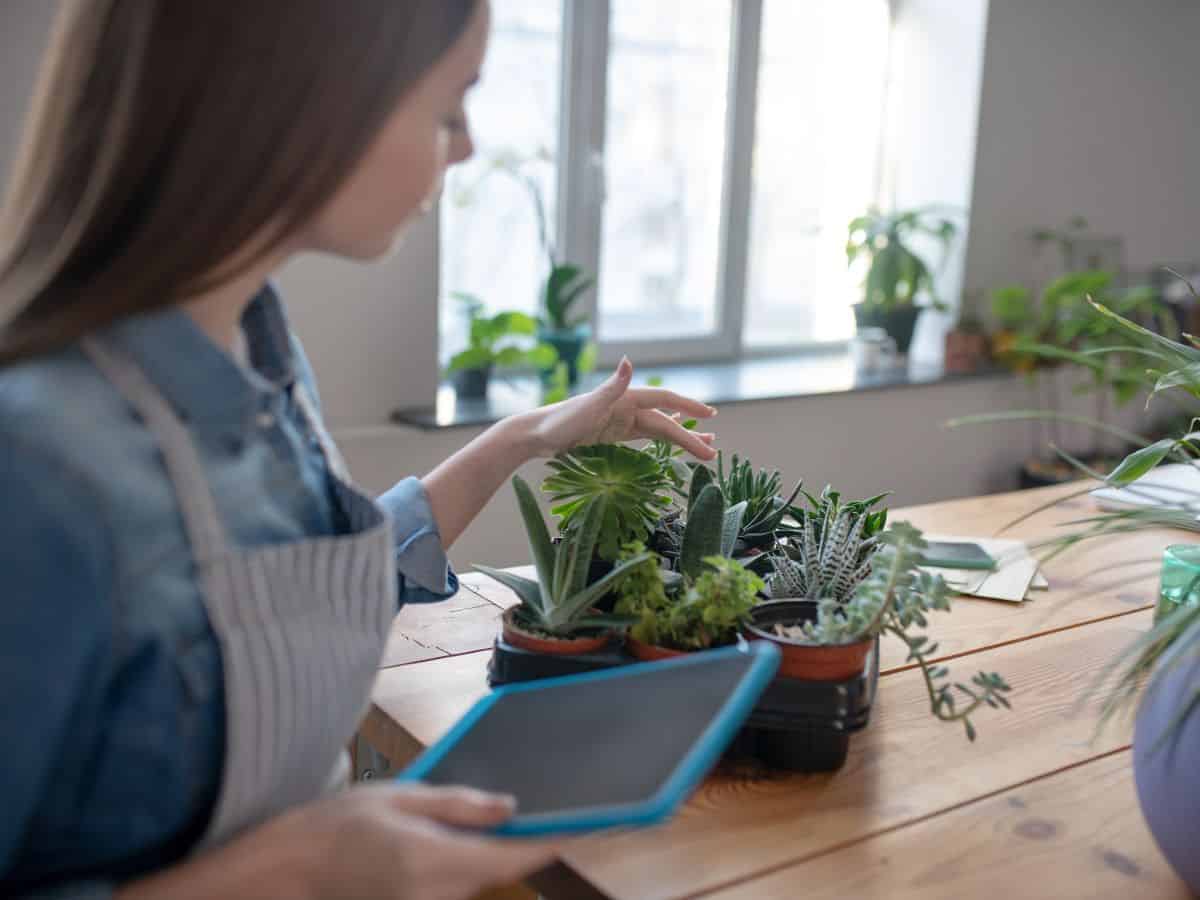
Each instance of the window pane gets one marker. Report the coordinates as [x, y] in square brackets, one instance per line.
[820, 118]
[665, 149]
[490, 244]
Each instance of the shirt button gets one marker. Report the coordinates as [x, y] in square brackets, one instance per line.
[265, 419]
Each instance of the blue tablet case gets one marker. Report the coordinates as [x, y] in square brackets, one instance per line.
[621, 747]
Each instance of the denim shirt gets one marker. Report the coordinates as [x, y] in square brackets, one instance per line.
[112, 714]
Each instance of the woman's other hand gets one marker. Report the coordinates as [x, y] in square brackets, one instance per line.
[616, 412]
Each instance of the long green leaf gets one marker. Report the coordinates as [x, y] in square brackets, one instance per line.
[702, 533]
[584, 537]
[1180, 352]
[539, 536]
[1187, 377]
[529, 591]
[576, 605]
[1025, 415]
[1138, 463]
[731, 526]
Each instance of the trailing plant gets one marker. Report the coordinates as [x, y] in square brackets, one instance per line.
[895, 599]
[760, 491]
[635, 486]
[708, 612]
[559, 603]
[503, 340]
[895, 274]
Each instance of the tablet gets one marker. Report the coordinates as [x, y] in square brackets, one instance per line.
[624, 747]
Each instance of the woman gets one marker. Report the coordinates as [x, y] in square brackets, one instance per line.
[196, 598]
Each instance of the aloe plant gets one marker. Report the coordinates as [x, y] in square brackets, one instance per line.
[559, 602]
[634, 484]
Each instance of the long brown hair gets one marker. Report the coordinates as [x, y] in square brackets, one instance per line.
[166, 135]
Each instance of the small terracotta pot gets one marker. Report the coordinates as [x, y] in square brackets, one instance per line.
[804, 661]
[650, 652]
[515, 636]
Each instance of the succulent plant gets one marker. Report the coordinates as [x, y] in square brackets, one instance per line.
[765, 507]
[560, 602]
[634, 484]
[829, 554]
[707, 612]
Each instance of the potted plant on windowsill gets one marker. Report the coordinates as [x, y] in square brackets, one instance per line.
[896, 276]
[502, 340]
[894, 599]
[557, 611]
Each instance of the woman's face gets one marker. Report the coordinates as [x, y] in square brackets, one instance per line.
[401, 173]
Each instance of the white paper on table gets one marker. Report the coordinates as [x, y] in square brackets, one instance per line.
[1015, 572]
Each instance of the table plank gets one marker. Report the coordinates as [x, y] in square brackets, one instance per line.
[903, 767]
[423, 631]
[1073, 834]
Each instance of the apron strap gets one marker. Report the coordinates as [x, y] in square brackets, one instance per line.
[184, 466]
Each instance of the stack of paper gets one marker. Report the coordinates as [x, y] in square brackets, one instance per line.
[1015, 575]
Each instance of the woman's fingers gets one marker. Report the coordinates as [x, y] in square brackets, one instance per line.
[661, 398]
[460, 807]
[654, 424]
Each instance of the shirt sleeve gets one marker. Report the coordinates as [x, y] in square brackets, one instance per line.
[425, 573]
[56, 628]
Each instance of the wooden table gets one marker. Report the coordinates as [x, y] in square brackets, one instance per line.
[1034, 808]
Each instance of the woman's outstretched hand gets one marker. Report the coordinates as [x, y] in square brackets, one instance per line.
[616, 412]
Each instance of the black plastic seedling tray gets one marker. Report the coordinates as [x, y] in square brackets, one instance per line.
[800, 726]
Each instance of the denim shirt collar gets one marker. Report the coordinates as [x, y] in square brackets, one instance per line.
[203, 383]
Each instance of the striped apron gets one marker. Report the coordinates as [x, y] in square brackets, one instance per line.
[301, 625]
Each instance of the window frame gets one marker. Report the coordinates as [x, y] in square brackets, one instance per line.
[581, 183]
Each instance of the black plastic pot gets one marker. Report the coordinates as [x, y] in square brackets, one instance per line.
[471, 384]
[797, 726]
[570, 345]
[899, 322]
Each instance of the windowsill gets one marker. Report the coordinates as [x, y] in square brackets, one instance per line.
[717, 383]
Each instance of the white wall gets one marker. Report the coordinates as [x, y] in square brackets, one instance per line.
[1088, 106]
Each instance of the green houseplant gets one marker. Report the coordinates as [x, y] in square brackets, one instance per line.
[635, 485]
[684, 615]
[895, 598]
[830, 554]
[556, 613]
[1158, 675]
[502, 340]
[766, 507]
[895, 275]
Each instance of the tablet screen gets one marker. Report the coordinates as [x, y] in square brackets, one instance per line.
[598, 742]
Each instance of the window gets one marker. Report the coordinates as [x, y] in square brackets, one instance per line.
[490, 245]
[702, 157]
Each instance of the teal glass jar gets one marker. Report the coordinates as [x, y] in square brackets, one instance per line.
[1179, 584]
